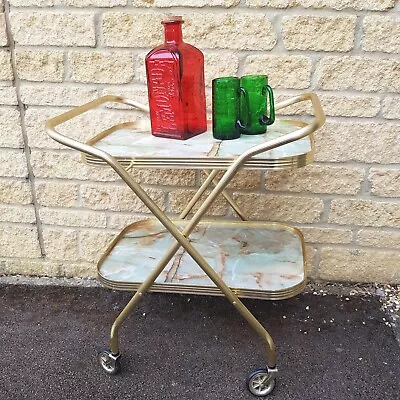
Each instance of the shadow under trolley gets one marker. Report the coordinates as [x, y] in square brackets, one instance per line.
[234, 258]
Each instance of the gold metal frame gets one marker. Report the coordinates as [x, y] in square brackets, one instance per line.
[182, 236]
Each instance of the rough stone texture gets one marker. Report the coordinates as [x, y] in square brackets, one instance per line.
[31, 267]
[60, 244]
[165, 177]
[293, 72]
[81, 128]
[101, 67]
[5, 66]
[230, 31]
[384, 239]
[3, 35]
[94, 3]
[217, 31]
[93, 243]
[121, 29]
[333, 33]
[15, 239]
[326, 235]
[317, 179]
[280, 208]
[13, 163]
[13, 191]
[8, 95]
[24, 214]
[359, 73]
[40, 65]
[66, 165]
[381, 34]
[11, 135]
[391, 107]
[384, 182]
[334, 4]
[363, 142]
[217, 65]
[364, 213]
[56, 95]
[188, 3]
[32, 28]
[349, 105]
[55, 194]
[178, 199]
[350, 264]
[30, 3]
[119, 220]
[117, 198]
[78, 218]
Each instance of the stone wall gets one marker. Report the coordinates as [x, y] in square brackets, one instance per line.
[57, 214]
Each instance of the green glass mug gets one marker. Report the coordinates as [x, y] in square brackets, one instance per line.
[259, 93]
[227, 100]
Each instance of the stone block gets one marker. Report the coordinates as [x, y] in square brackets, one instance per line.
[44, 28]
[19, 241]
[391, 107]
[31, 3]
[60, 244]
[56, 193]
[333, 33]
[119, 220]
[381, 33]
[101, 67]
[13, 191]
[78, 218]
[362, 212]
[94, 3]
[40, 65]
[13, 163]
[317, 179]
[379, 238]
[343, 264]
[56, 95]
[217, 65]
[66, 165]
[11, 133]
[271, 207]
[5, 66]
[384, 182]
[3, 34]
[117, 198]
[291, 72]
[380, 5]
[178, 200]
[369, 142]
[8, 96]
[24, 214]
[316, 234]
[359, 73]
[93, 244]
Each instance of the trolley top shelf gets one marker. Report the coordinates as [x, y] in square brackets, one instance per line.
[134, 145]
[287, 144]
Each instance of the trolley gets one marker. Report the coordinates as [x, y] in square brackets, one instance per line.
[234, 258]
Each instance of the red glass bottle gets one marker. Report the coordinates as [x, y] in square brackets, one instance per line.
[175, 82]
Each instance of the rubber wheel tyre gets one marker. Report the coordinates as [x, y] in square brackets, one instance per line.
[260, 383]
[109, 363]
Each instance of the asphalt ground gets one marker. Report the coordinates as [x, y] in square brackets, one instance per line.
[192, 347]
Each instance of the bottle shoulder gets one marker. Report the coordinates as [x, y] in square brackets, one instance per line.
[174, 50]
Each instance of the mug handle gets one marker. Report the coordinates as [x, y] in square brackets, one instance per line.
[264, 119]
[239, 122]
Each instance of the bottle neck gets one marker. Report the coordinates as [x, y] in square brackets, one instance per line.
[173, 32]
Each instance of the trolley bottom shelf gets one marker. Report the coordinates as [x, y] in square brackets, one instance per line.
[255, 259]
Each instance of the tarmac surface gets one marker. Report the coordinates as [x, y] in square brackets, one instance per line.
[192, 347]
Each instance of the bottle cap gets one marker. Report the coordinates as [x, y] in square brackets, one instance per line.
[172, 18]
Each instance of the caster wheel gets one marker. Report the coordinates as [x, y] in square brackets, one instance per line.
[261, 382]
[109, 362]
